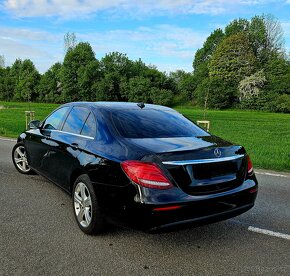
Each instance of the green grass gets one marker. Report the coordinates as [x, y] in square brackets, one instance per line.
[266, 136]
[12, 117]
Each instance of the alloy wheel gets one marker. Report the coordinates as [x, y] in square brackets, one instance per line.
[83, 204]
[20, 159]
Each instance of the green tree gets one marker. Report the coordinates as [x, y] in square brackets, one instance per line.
[73, 68]
[216, 93]
[158, 79]
[277, 72]
[49, 88]
[13, 77]
[7, 84]
[201, 63]
[3, 76]
[26, 80]
[161, 96]
[108, 87]
[184, 83]
[89, 75]
[266, 37]
[118, 63]
[281, 104]
[237, 26]
[233, 59]
[116, 68]
[141, 89]
[2, 61]
[204, 55]
[137, 89]
[258, 37]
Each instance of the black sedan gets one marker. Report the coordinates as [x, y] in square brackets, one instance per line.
[143, 166]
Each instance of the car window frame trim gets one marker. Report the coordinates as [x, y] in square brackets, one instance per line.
[75, 134]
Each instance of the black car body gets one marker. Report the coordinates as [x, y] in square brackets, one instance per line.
[149, 167]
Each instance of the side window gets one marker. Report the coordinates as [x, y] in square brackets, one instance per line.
[75, 120]
[56, 118]
[89, 128]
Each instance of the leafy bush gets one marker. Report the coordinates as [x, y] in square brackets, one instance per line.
[280, 104]
[219, 93]
[161, 96]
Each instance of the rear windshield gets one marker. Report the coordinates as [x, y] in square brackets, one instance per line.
[151, 123]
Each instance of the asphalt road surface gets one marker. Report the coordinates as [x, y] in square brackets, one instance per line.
[38, 236]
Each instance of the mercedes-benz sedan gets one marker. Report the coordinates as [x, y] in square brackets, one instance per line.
[144, 166]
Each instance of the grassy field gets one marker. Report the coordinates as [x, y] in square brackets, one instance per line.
[12, 118]
[266, 136]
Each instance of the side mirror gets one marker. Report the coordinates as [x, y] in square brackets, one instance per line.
[34, 124]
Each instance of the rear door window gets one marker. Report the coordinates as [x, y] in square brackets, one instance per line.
[76, 120]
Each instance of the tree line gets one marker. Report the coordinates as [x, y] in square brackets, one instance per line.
[83, 77]
[242, 66]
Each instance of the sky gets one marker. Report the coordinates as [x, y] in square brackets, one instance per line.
[164, 33]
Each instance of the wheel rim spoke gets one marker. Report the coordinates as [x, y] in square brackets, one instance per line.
[18, 160]
[20, 153]
[77, 198]
[81, 215]
[83, 191]
[87, 216]
[88, 202]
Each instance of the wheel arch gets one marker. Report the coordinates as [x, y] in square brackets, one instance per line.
[75, 174]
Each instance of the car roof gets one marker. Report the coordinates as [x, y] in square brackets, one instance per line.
[120, 105]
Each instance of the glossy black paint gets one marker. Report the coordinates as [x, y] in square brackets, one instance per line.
[62, 157]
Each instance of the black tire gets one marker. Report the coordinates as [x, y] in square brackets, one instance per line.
[19, 160]
[82, 211]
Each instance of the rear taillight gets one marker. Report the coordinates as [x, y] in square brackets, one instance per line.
[146, 174]
[250, 165]
[167, 208]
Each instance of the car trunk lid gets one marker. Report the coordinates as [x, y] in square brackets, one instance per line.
[200, 165]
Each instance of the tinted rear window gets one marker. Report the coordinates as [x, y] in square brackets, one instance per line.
[151, 123]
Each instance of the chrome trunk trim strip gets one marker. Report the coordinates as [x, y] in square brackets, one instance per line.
[203, 161]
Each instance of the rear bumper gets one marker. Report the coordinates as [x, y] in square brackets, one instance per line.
[193, 213]
[203, 220]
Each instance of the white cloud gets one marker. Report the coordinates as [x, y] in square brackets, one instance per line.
[168, 47]
[28, 34]
[70, 8]
[41, 47]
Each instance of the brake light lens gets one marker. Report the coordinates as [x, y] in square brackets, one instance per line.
[250, 165]
[146, 174]
[168, 208]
